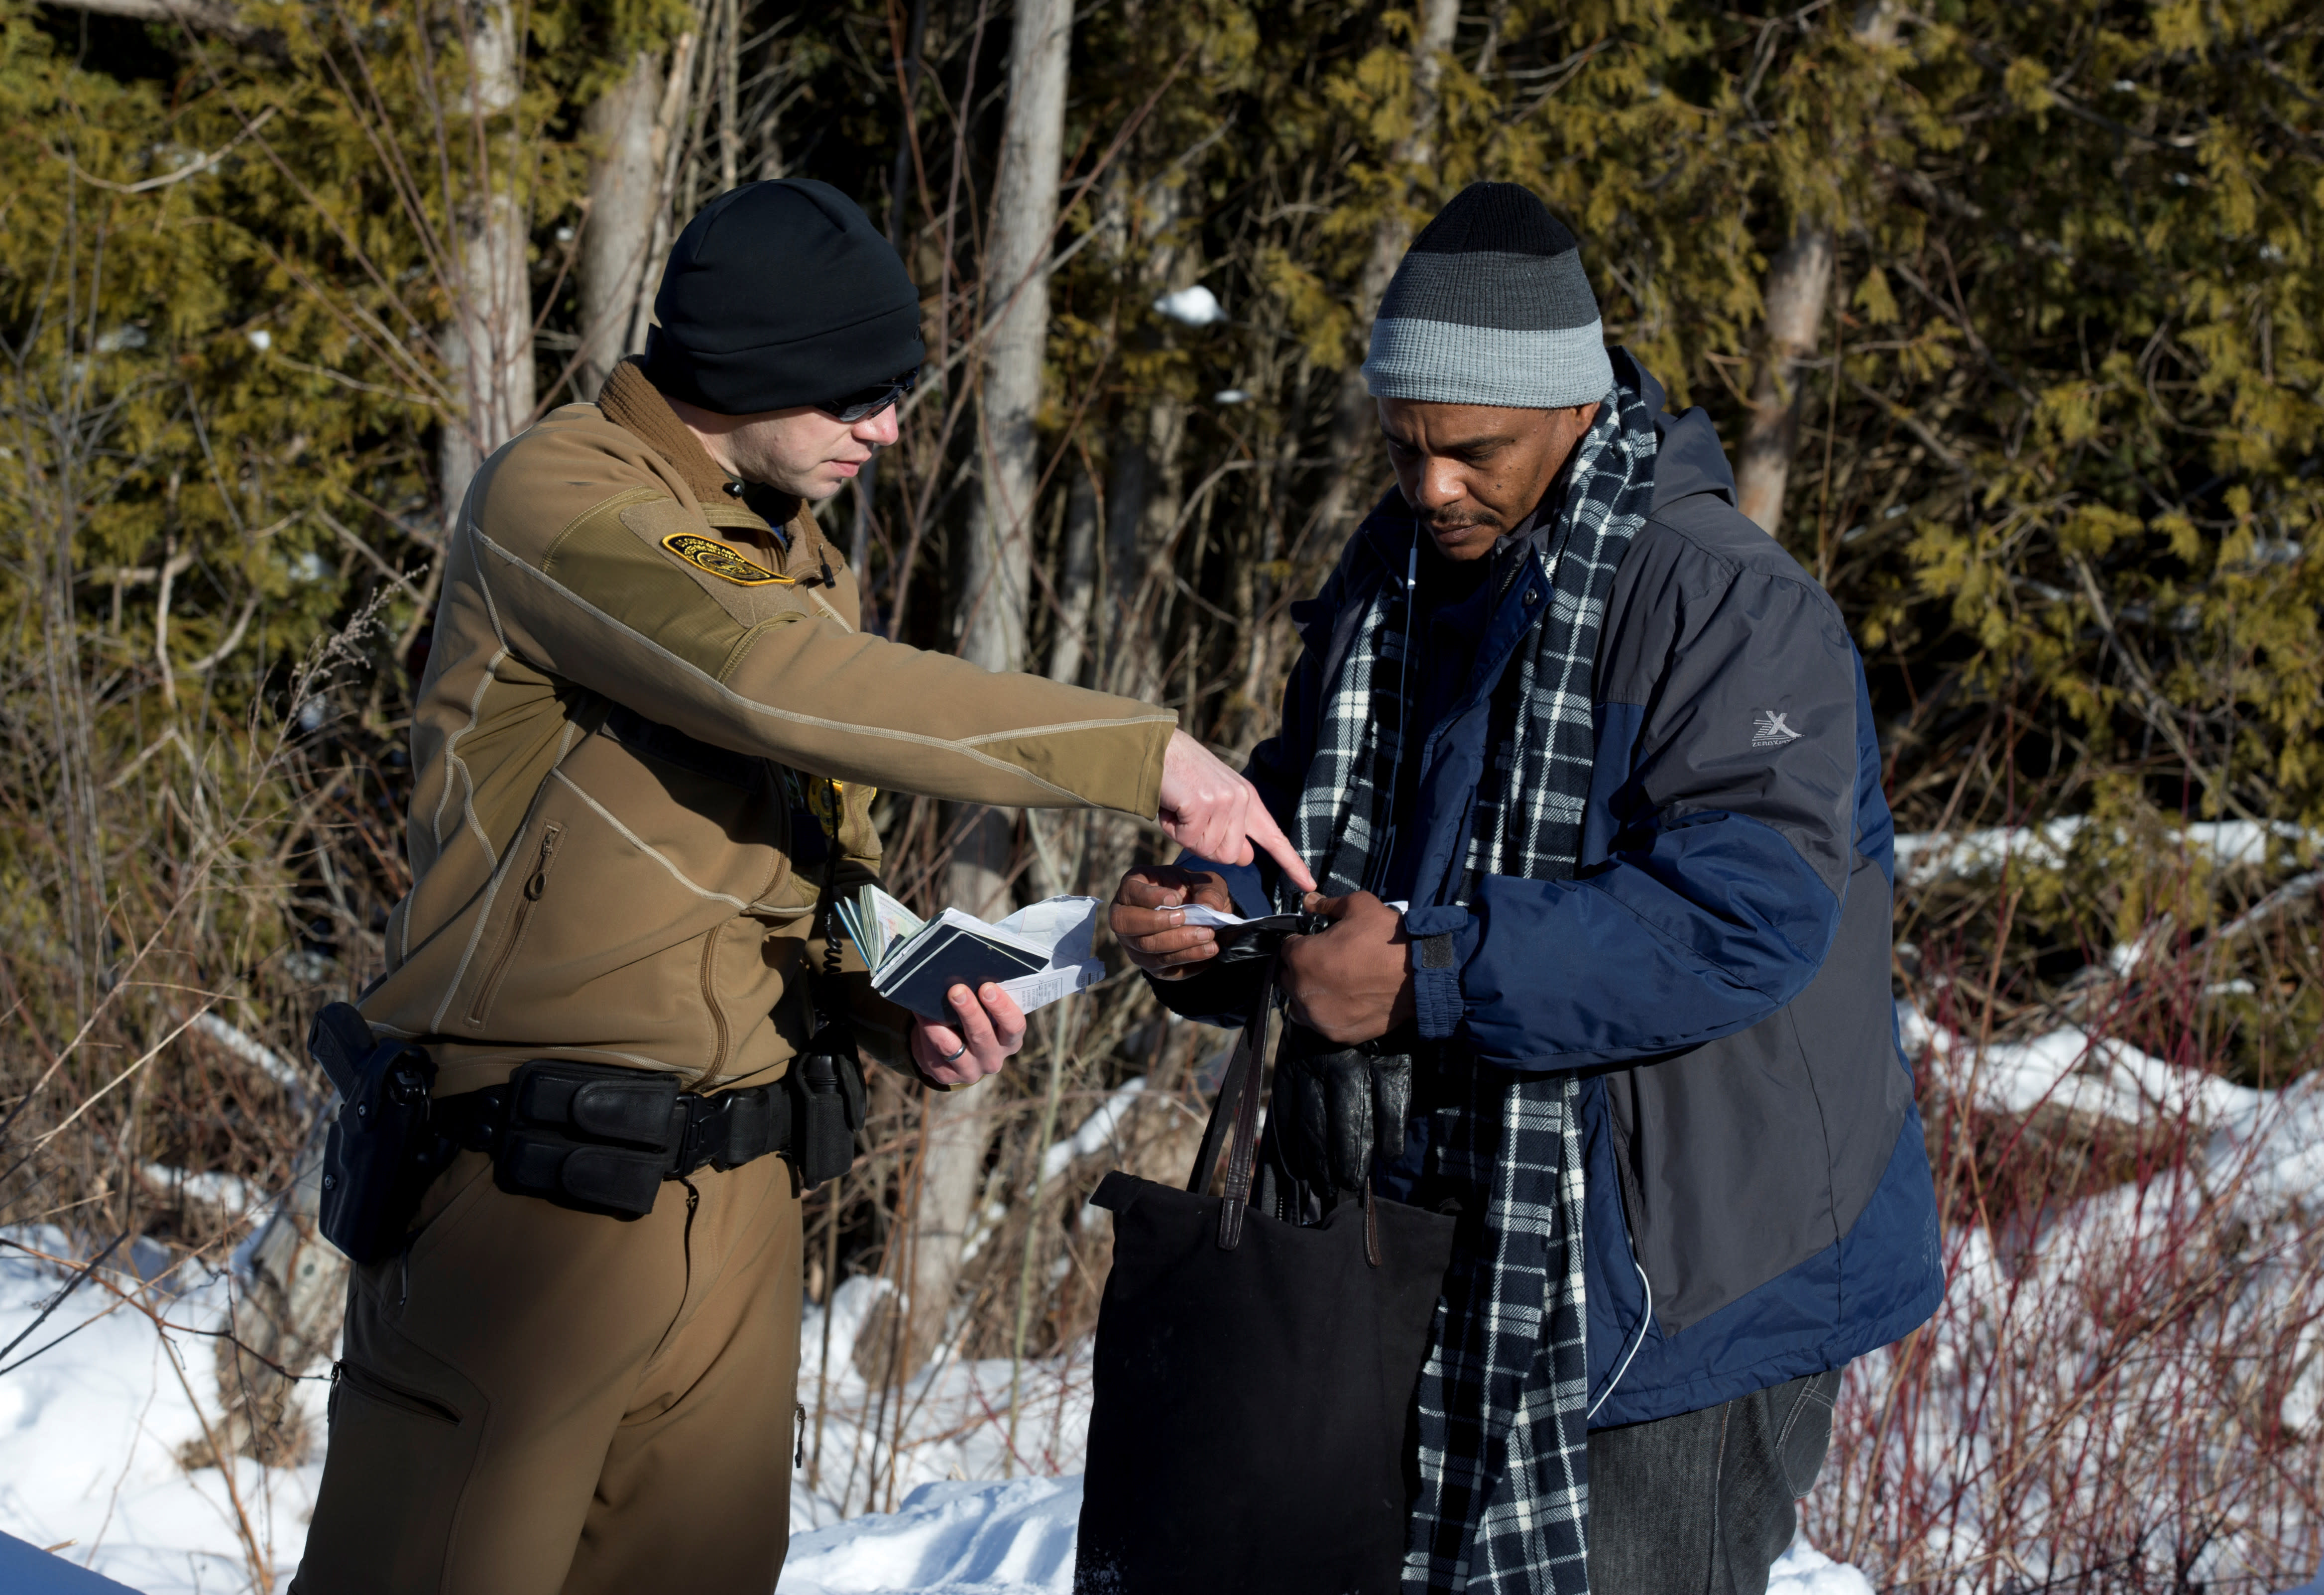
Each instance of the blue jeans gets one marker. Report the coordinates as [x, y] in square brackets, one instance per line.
[1703, 1503]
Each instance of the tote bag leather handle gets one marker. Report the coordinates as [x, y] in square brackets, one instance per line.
[1238, 1101]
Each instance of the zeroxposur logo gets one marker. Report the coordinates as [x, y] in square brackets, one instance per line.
[1772, 730]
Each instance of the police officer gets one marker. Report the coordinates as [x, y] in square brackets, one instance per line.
[645, 748]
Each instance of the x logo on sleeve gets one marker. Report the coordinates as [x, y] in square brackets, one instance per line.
[1771, 729]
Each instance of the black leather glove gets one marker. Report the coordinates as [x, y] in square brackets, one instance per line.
[1337, 1110]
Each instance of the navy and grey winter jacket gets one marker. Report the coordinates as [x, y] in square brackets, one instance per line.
[1759, 1202]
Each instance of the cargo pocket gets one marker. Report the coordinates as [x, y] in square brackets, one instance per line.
[404, 1441]
[373, 1388]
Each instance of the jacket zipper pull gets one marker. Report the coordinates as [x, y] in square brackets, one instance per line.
[538, 882]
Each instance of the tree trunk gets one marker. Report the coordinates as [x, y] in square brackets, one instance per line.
[1057, 837]
[1076, 576]
[488, 343]
[1016, 295]
[859, 545]
[1148, 493]
[730, 67]
[625, 197]
[1355, 422]
[1799, 284]
[993, 607]
[1799, 279]
[1148, 485]
[669, 150]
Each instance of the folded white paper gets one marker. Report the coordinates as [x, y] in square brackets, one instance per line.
[1196, 914]
[1067, 926]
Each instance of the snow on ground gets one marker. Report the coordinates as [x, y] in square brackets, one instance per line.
[1805, 1571]
[2070, 1069]
[94, 1405]
[949, 1488]
[955, 1420]
[90, 1430]
[2202, 1269]
[2273, 1141]
[1925, 855]
[1017, 1539]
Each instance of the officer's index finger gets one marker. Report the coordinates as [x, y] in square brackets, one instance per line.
[1269, 837]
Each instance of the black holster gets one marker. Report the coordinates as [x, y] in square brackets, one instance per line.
[382, 1153]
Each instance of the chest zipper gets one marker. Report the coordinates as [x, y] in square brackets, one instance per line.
[526, 900]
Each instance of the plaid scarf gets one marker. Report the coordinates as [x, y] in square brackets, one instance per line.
[1504, 1453]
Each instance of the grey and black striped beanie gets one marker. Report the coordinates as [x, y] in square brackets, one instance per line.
[1490, 306]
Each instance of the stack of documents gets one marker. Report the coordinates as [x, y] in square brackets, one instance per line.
[1038, 955]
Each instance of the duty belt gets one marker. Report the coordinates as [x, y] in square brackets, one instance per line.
[601, 1138]
[595, 1138]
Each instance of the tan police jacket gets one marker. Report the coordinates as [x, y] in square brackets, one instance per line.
[638, 696]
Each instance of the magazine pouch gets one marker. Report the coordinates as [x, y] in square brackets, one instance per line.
[595, 1138]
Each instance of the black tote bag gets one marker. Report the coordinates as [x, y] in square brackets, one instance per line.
[1254, 1380]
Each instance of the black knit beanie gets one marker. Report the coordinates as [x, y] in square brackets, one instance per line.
[1491, 306]
[778, 294]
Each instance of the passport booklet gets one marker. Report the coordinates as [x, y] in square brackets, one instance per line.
[1038, 955]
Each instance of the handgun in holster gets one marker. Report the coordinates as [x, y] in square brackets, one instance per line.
[382, 1153]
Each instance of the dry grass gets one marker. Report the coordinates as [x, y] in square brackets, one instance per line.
[2121, 1390]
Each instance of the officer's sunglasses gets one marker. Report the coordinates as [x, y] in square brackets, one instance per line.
[854, 407]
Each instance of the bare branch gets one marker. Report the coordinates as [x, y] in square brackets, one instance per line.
[214, 16]
[194, 168]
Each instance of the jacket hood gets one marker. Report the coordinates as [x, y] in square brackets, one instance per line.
[1688, 458]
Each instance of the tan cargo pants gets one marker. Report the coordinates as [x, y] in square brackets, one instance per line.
[539, 1402]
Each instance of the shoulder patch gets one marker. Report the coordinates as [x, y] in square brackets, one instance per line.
[711, 554]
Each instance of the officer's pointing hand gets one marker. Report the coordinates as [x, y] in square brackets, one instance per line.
[985, 1033]
[1209, 810]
